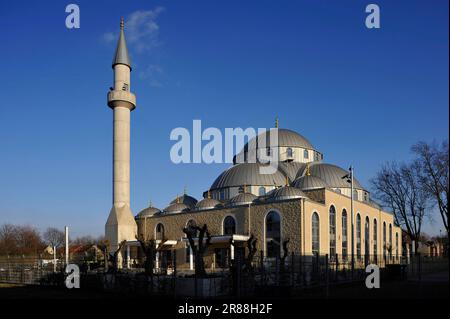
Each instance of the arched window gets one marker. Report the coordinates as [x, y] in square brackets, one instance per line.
[355, 194]
[289, 152]
[344, 234]
[315, 231]
[229, 226]
[375, 238]
[367, 239]
[273, 234]
[262, 191]
[358, 236]
[390, 240]
[241, 189]
[159, 232]
[384, 240]
[332, 232]
[222, 194]
[305, 154]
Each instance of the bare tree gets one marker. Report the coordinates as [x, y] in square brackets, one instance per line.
[398, 188]
[433, 162]
[200, 248]
[113, 258]
[54, 237]
[8, 240]
[149, 248]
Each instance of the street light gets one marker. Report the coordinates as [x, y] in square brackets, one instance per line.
[349, 178]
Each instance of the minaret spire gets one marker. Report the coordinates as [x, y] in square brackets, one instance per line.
[121, 56]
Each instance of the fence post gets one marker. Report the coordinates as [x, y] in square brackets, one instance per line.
[175, 272]
[326, 275]
[337, 267]
[292, 269]
[261, 261]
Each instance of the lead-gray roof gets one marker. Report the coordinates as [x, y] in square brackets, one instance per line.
[286, 138]
[185, 199]
[241, 199]
[176, 208]
[285, 193]
[247, 174]
[309, 182]
[148, 212]
[332, 175]
[208, 203]
[292, 169]
[121, 56]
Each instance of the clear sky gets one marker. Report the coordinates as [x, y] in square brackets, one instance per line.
[361, 96]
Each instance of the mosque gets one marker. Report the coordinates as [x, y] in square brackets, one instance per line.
[312, 203]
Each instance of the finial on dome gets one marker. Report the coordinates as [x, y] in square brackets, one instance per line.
[287, 181]
[150, 203]
[178, 199]
[276, 122]
[307, 170]
[122, 23]
[209, 193]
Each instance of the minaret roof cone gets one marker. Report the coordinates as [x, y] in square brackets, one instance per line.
[121, 56]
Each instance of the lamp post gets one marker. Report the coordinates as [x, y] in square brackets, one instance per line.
[349, 178]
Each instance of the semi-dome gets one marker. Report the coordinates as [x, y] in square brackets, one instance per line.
[185, 199]
[309, 182]
[285, 193]
[332, 175]
[176, 208]
[247, 174]
[147, 212]
[208, 203]
[241, 199]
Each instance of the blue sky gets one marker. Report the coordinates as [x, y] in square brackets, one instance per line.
[361, 96]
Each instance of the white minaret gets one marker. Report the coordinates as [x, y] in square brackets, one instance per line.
[121, 224]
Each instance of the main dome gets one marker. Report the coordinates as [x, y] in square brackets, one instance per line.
[286, 138]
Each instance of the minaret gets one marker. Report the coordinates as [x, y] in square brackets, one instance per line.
[121, 224]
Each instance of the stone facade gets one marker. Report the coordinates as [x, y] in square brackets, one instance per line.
[295, 224]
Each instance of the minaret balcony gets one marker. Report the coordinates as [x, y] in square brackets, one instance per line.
[121, 98]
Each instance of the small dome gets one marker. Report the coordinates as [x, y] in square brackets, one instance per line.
[332, 175]
[285, 193]
[247, 174]
[176, 208]
[148, 212]
[185, 199]
[309, 182]
[241, 199]
[208, 203]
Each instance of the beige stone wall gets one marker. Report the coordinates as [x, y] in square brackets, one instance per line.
[340, 203]
[294, 224]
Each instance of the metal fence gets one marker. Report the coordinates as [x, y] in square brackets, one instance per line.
[276, 275]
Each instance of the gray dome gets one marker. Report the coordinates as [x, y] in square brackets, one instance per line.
[285, 193]
[309, 182]
[247, 174]
[241, 199]
[285, 138]
[332, 175]
[176, 208]
[292, 169]
[208, 203]
[148, 212]
[185, 199]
